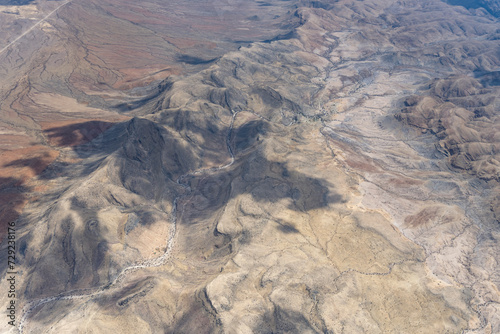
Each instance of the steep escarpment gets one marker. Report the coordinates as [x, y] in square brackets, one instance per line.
[462, 112]
[492, 6]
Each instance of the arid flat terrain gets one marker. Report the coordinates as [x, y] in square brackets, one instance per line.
[252, 166]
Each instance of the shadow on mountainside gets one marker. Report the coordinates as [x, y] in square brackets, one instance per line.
[491, 6]
[144, 161]
[149, 158]
[16, 190]
[13, 196]
[76, 134]
[149, 100]
[279, 320]
[15, 2]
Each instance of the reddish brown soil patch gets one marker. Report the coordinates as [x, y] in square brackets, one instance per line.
[23, 164]
[11, 205]
[16, 168]
[428, 216]
[404, 181]
[19, 166]
[137, 77]
[74, 132]
[358, 161]
[361, 164]
[184, 43]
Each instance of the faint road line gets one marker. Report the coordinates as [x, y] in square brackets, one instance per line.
[34, 26]
[159, 261]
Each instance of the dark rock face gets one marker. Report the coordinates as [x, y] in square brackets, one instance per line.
[456, 110]
[492, 6]
[337, 175]
[15, 2]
